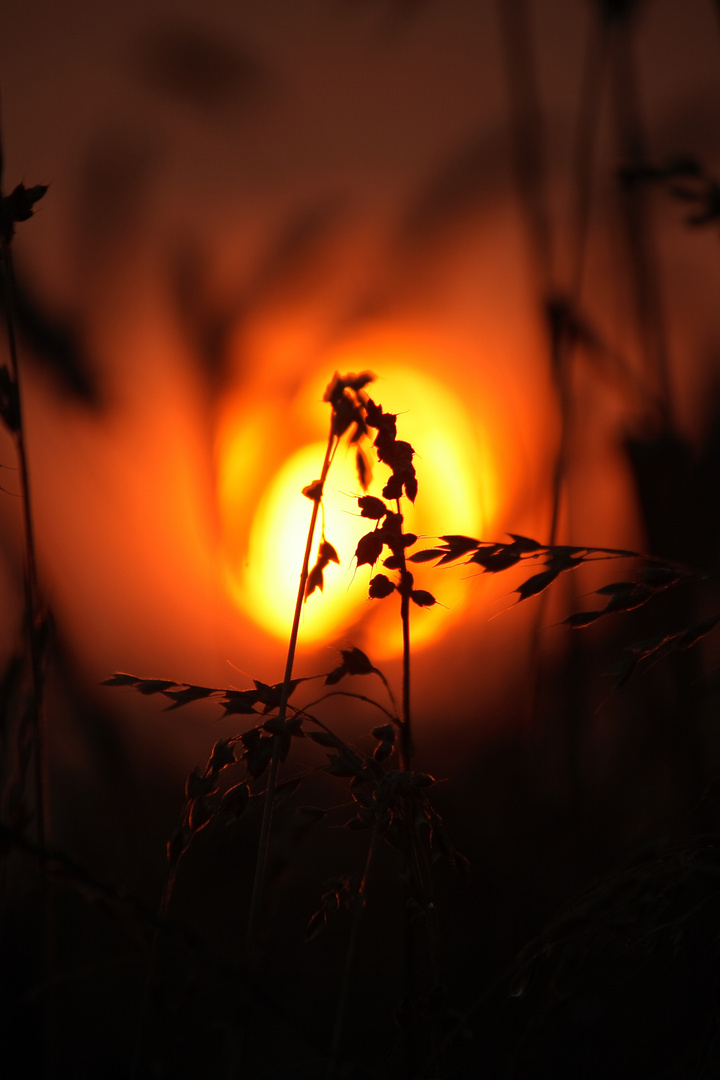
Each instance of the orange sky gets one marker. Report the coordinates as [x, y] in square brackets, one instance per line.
[242, 201]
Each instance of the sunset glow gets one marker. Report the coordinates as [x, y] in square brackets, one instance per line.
[286, 791]
[271, 531]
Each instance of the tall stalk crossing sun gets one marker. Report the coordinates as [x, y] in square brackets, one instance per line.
[266, 516]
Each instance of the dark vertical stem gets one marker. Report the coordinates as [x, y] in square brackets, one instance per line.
[586, 135]
[144, 1006]
[405, 749]
[528, 133]
[33, 615]
[561, 339]
[32, 595]
[405, 755]
[586, 138]
[359, 905]
[635, 207]
[266, 824]
[528, 149]
[406, 746]
[411, 981]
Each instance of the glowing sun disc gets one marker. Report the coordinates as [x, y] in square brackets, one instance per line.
[269, 585]
[454, 483]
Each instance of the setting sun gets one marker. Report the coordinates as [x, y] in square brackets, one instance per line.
[454, 496]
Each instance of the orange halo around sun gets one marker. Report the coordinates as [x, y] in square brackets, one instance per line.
[266, 517]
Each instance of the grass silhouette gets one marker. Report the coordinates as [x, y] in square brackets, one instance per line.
[346, 894]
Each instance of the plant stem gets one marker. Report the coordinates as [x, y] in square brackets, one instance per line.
[266, 825]
[359, 903]
[406, 746]
[32, 601]
[405, 749]
[33, 626]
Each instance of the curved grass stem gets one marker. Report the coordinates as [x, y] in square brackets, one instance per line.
[258, 891]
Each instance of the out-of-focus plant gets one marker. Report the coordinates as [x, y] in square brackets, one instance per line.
[21, 684]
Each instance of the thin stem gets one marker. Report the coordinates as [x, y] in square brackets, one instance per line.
[266, 825]
[587, 132]
[636, 209]
[359, 905]
[33, 623]
[411, 979]
[528, 135]
[32, 593]
[346, 694]
[406, 746]
[405, 749]
[144, 1006]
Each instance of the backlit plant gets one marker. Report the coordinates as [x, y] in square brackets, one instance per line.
[388, 799]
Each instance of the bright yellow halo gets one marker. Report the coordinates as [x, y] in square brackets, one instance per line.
[454, 482]
[268, 587]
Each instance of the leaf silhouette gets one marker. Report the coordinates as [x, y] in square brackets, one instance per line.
[394, 488]
[659, 577]
[258, 755]
[354, 662]
[460, 545]
[424, 556]
[197, 784]
[336, 675]
[313, 491]
[582, 618]
[326, 555]
[411, 487]
[222, 755]
[315, 581]
[563, 557]
[687, 638]
[357, 662]
[369, 548]
[18, 206]
[616, 587]
[524, 544]
[494, 561]
[372, 508]
[154, 686]
[393, 562]
[239, 702]
[536, 584]
[364, 470]
[121, 678]
[186, 694]
[380, 587]
[422, 598]
[270, 696]
[384, 732]
[628, 599]
[235, 800]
